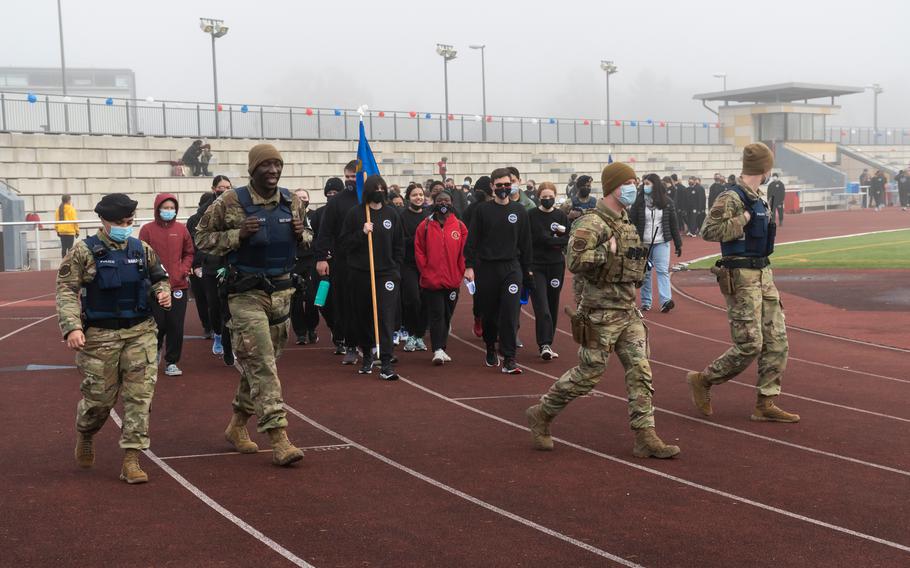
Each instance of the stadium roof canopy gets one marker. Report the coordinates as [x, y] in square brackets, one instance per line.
[780, 93]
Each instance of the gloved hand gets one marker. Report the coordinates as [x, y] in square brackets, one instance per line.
[678, 252]
[528, 281]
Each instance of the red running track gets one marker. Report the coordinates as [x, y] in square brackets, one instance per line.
[437, 469]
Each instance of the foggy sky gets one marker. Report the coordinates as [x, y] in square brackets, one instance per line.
[542, 58]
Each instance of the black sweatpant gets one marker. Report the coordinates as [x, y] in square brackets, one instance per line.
[304, 314]
[548, 281]
[344, 314]
[498, 293]
[440, 304]
[66, 243]
[170, 325]
[413, 310]
[779, 209]
[201, 301]
[218, 310]
[904, 195]
[388, 298]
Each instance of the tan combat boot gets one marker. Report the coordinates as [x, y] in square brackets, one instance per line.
[648, 445]
[539, 423]
[767, 411]
[237, 434]
[283, 452]
[85, 450]
[701, 392]
[131, 472]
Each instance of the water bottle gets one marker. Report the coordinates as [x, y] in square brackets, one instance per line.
[524, 295]
[469, 284]
[322, 293]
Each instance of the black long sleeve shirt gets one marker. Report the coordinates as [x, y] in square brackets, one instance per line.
[410, 219]
[549, 246]
[388, 240]
[499, 232]
[333, 216]
[715, 190]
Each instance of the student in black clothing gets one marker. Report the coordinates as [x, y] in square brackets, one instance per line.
[388, 254]
[498, 254]
[331, 189]
[777, 193]
[304, 314]
[413, 310]
[716, 189]
[549, 237]
[483, 191]
[331, 262]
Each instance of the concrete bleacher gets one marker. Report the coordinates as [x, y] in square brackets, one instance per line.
[895, 158]
[43, 167]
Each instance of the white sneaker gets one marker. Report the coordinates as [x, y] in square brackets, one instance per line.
[546, 353]
[172, 370]
[396, 337]
[410, 345]
[439, 357]
[419, 345]
[446, 356]
[403, 334]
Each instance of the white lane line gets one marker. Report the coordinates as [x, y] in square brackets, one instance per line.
[721, 426]
[216, 454]
[461, 494]
[497, 397]
[670, 477]
[740, 383]
[199, 494]
[26, 299]
[791, 358]
[796, 328]
[24, 327]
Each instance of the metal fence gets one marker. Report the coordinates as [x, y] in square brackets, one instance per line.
[864, 135]
[57, 114]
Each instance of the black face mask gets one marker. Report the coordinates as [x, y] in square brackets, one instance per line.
[377, 197]
[441, 209]
[350, 185]
[503, 192]
[548, 202]
[584, 191]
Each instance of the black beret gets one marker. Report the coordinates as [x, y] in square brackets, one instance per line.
[115, 206]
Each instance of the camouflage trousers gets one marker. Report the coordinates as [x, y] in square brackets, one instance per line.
[758, 330]
[118, 362]
[259, 330]
[622, 332]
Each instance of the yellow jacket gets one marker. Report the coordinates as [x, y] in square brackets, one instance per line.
[69, 214]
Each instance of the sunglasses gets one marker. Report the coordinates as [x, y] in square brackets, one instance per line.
[502, 185]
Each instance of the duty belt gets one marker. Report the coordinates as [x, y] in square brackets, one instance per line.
[114, 323]
[756, 263]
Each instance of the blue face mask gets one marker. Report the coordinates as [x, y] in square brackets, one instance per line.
[120, 234]
[168, 214]
[648, 189]
[627, 194]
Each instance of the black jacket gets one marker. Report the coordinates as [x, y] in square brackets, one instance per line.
[333, 216]
[409, 221]
[549, 246]
[669, 223]
[388, 240]
[715, 190]
[776, 193]
[499, 232]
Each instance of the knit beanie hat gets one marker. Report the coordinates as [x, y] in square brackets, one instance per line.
[757, 159]
[262, 152]
[483, 185]
[333, 184]
[615, 175]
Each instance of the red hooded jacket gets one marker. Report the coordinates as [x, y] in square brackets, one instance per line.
[171, 242]
[439, 251]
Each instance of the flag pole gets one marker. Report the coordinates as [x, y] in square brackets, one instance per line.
[366, 206]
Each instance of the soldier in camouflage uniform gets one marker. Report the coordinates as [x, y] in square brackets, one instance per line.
[740, 221]
[606, 257]
[104, 314]
[258, 228]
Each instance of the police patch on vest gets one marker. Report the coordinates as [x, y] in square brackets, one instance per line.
[513, 288]
[554, 283]
[178, 294]
[513, 218]
[387, 223]
[389, 285]
[452, 295]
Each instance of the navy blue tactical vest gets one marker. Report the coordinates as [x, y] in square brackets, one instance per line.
[756, 240]
[272, 250]
[120, 289]
[583, 205]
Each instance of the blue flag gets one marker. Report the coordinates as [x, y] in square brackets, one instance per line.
[366, 163]
[610, 158]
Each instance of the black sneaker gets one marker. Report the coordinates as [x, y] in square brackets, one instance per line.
[492, 359]
[350, 356]
[207, 334]
[228, 355]
[339, 348]
[667, 306]
[302, 339]
[510, 368]
[367, 366]
[312, 337]
[387, 373]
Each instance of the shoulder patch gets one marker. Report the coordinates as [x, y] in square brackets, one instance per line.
[64, 270]
[717, 213]
[580, 238]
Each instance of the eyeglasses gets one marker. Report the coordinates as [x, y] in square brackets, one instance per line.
[503, 185]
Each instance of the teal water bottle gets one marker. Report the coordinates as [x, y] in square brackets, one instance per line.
[322, 293]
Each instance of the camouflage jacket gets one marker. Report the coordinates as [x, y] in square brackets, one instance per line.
[218, 232]
[727, 220]
[78, 269]
[589, 258]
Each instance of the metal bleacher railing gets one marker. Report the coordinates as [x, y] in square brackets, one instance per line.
[866, 135]
[32, 112]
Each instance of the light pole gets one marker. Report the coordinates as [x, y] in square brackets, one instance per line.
[66, 116]
[609, 68]
[448, 53]
[876, 91]
[724, 77]
[216, 29]
[483, 83]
